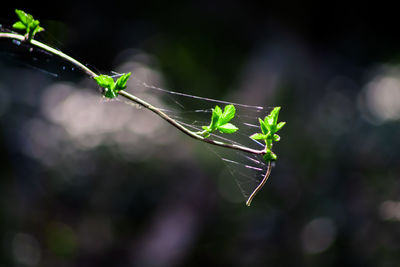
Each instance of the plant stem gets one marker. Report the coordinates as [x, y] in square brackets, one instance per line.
[51, 50]
[148, 106]
[184, 129]
[258, 188]
[131, 97]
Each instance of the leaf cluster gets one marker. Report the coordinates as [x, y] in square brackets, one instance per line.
[220, 121]
[269, 126]
[110, 86]
[28, 23]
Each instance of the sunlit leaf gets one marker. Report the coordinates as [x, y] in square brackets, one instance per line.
[215, 117]
[23, 17]
[19, 25]
[264, 127]
[105, 81]
[228, 114]
[257, 136]
[121, 82]
[227, 128]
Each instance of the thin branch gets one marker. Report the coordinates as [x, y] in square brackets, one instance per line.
[51, 50]
[133, 98]
[184, 129]
[258, 188]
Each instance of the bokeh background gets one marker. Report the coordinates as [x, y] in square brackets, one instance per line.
[88, 182]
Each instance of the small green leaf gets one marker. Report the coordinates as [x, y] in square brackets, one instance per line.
[121, 82]
[215, 117]
[280, 125]
[270, 156]
[218, 110]
[276, 137]
[227, 128]
[272, 118]
[105, 81]
[23, 17]
[109, 93]
[258, 136]
[228, 114]
[276, 114]
[19, 25]
[36, 30]
[264, 127]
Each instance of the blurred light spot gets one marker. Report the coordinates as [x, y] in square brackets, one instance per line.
[318, 235]
[61, 239]
[390, 210]
[380, 99]
[90, 120]
[168, 239]
[26, 249]
[336, 107]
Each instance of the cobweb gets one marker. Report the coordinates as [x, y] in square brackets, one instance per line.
[191, 111]
[194, 112]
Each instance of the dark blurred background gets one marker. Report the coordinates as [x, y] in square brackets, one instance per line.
[89, 183]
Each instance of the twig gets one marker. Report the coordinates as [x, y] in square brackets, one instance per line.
[133, 98]
[258, 188]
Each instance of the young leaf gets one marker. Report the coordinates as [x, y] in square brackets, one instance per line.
[105, 81]
[220, 121]
[19, 25]
[227, 128]
[275, 113]
[270, 156]
[258, 136]
[272, 118]
[23, 17]
[215, 117]
[121, 82]
[108, 93]
[276, 138]
[264, 127]
[280, 125]
[229, 114]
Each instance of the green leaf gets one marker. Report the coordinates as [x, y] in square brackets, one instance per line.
[19, 25]
[121, 82]
[280, 125]
[215, 117]
[258, 136]
[229, 114]
[270, 156]
[275, 113]
[276, 137]
[227, 128]
[109, 93]
[105, 81]
[264, 127]
[36, 30]
[272, 118]
[218, 110]
[23, 17]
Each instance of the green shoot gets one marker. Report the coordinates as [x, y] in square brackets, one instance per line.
[112, 88]
[220, 121]
[269, 126]
[28, 23]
